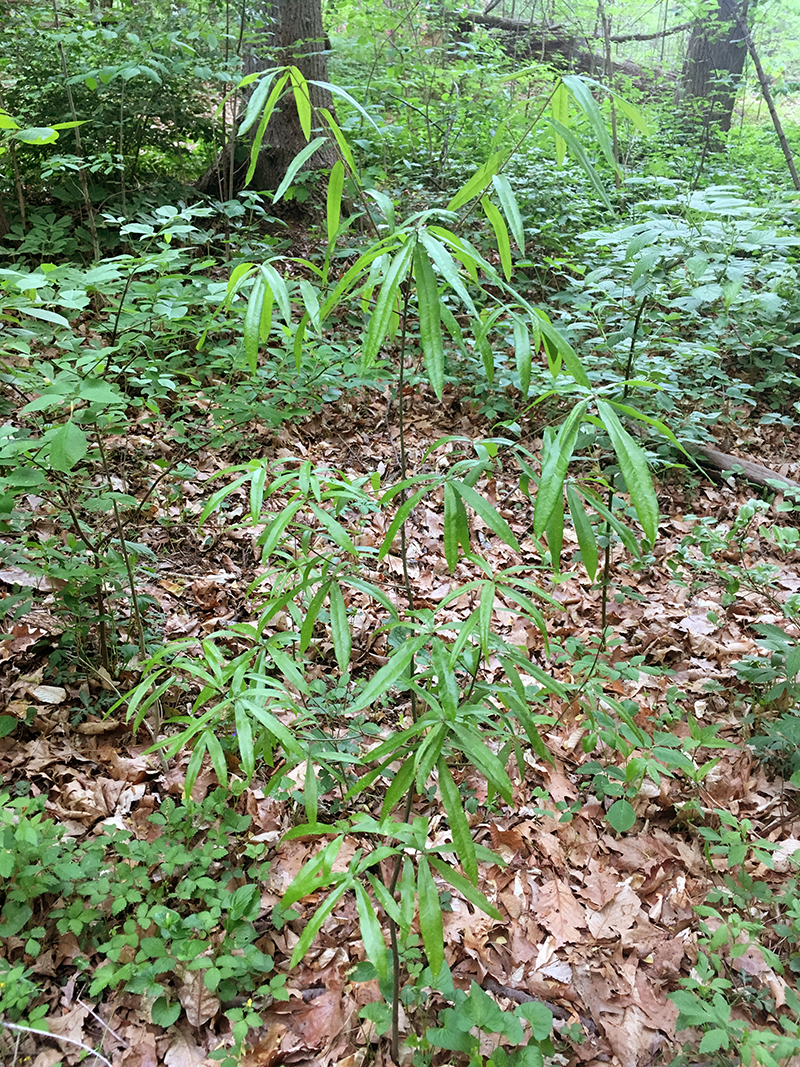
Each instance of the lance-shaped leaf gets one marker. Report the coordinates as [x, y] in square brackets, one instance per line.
[386, 302]
[501, 235]
[633, 464]
[560, 111]
[334, 200]
[446, 266]
[296, 164]
[341, 140]
[269, 107]
[478, 182]
[371, 933]
[431, 925]
[389, 674]
[583, 94]
[508, 202]
[522, 353]
[259, 296]
[457, 820]
[257, 100]
[340, 628]
[490, 516]
[584, 531]
[430, 322]
[302, 100]
[554, 468]
[578, 151]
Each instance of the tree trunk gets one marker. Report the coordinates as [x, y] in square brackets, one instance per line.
[290, 32]
[714, 63]
[296, 37]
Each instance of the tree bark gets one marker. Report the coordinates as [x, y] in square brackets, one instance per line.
[714, 63]
[290, 32]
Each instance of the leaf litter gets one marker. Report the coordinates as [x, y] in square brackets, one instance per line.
[599, 926]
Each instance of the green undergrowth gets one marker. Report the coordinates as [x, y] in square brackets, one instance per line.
[617, 325]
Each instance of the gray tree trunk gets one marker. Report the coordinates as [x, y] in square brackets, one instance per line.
[282, 32]
[714, 64]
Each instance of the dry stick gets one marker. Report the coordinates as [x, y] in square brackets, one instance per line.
[56, 1037]
[765, 92]
[606, 22]
[81, 171]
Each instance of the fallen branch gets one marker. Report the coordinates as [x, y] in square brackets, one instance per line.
[753, 472]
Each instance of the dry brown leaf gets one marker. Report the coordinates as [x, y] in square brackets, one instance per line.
[183, 1051]
[557, 909]
[615, 917]
[199, 1003]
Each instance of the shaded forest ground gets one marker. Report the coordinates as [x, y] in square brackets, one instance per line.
[599, 926]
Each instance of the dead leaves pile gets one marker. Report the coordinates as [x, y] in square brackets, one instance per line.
[600, 927]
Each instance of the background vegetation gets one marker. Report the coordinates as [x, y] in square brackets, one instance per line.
[390, 669]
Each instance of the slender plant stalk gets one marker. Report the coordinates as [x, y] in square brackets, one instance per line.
[610, 501]
[81, 169]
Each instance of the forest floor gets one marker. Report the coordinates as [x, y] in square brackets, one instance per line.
[598, 925]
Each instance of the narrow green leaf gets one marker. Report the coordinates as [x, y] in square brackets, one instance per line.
[371, 933]
[337, 532]
[565, 351]
[302, 157]
[399, 787]
[341, 140]
[279, 290]
[501, 235]
[334, 200]
[45, 316]
[457, 820]
[252, 322]
[522, 354]
[431, 925]
[452, 521]
[554, 532]
[634, 469]
[584, 531]
[496, 523]
[578, 151]
[315, 923]
[508, 202]
[337, 90]
[244, 739]
[428, 753]
[311, 615]
[302, 100]
[482, 757]
[311, 302]
[478, 182]
[430, 324]
[403, 512]
[256, 101]
[583, 94]
[389, 674]
[446, 266]
[464, 886]
[554, 468]
[311, 793]
[386, 302]
[266, 115]
[560, 112]
[340, 628]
